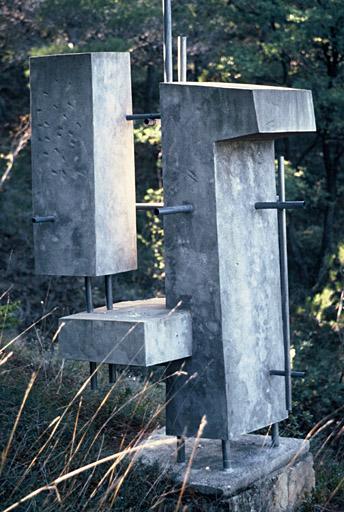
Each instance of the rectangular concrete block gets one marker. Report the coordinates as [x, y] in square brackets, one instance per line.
[139, 333]
[83, 164]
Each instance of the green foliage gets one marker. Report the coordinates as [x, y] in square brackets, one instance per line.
[9, 314]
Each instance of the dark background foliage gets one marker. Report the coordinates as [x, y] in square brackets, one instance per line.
[294, 44]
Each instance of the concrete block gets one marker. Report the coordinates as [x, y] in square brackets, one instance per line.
[260, 477]
[83, 164]
[139, 333]
[222, 261]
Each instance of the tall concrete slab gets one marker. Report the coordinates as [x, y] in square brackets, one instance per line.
[222, 261]
[83, 164]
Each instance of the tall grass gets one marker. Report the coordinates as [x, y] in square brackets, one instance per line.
[65, 447]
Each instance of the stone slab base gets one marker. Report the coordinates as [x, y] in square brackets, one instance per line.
[261, 478]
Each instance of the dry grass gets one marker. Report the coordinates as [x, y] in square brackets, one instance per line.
[64, 447]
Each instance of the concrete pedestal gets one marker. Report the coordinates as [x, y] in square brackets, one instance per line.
[261, 478]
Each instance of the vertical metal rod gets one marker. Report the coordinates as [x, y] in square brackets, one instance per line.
[182, 58]
[108, 292]
[112, 373]
[225, 454]
[94, 379]
[88, 294]
[282, 232]
[168, 62]
[109, 307]
[180, 449]
[89, 309]
[275, 435]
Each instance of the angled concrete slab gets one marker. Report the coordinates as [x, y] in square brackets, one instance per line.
[83, 164]
[138, 333]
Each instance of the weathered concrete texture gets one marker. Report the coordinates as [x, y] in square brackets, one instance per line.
[83, 164]
[249, 284]
[261, 478]
[222, 260]
[139, 333]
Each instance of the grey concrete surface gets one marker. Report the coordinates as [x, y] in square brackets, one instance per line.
[138, 333]
[83, 164]
[280, 477]
[222, 261]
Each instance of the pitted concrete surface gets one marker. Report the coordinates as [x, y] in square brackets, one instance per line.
[83, 164]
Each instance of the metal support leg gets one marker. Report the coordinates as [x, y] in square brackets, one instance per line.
[89, 309]
[112, 373]
[225, 455]
[275, 435]
[94, 379]
[109, 307]
[180, 449]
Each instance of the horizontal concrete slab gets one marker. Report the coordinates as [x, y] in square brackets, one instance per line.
[244, 110]
[138, 333]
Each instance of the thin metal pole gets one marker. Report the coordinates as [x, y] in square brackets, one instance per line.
[182, 58]
[108, 292]
[89, 309]
[275, 435]
[88, 294]
[225, 454]
[94, 379]
[109, 307]
[282, 231]
[168, 62]
[180, 449]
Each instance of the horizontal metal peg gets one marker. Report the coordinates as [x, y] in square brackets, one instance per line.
[170, 210]
[280, 205]
[144, 207]
[39, 220]
[281, 373]
[146, 118]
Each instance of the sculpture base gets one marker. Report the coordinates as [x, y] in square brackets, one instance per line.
[260, 477]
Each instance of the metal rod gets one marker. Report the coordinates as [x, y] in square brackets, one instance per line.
[112, 373]
[168, 62]
[170, 210]
[275, 435]
[109, 307]
[280, 205]
[143, 117]
[108, 292]
[182, 58]
[282, 238]
[281, 373]
[94, 379]
[36, 219]
[89, 309]
[88, 294]
[225, 455]
[180, 449]
[143, 207]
